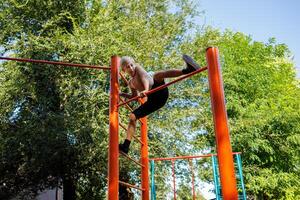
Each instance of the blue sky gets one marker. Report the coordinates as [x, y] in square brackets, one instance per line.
[261, 19]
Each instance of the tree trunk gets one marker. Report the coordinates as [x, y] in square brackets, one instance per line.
[69, 188]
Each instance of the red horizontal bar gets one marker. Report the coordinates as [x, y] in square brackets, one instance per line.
[124, 79]
[136, 162]
[165, 85]
[123, 126]
[129, 108]
[56, 63]
[188, 157]
[135, 137]
[132, 186]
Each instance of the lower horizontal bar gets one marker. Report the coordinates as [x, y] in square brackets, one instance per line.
[55, 63]
[135, 137]
[136, 162]
[124, 79]
[129, 108]
[131, 186]
[188, 157]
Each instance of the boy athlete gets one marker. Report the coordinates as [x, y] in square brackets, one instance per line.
[140, 83]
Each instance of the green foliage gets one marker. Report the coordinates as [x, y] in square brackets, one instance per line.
[54, 122]
[268, 184]
[262, 99]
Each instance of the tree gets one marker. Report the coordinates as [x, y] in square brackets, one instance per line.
[53, 120]
[261, 92]
[262, 95]
[35, 147]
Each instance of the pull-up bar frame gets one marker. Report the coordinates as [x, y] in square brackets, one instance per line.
[26, 60]
[189, 159]
[227, 175]
[224, 151]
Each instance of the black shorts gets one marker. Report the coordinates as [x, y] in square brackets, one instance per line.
[155, 101]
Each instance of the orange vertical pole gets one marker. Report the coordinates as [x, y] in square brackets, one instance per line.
[145, 159]
[224, 151]
[113, 153]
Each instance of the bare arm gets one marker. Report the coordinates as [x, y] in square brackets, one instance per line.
[129, 96]
[133, 92]
[146, 84]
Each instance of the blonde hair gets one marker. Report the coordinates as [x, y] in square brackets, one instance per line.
[126, 59]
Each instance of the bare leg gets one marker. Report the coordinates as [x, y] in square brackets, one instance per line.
[191, 66]
[131, 127]
[159, 76]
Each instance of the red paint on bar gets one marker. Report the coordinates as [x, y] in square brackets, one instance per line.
[226, 165]
[124, 79]
[113, 153]
[128, 157]
[131, 186]
[129, 108]
[140, 141]
[55, 63]
[188, 157]
[134, 136]
[122, 126]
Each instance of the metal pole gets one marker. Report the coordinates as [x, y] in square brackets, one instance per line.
[193, 179]
[239, 162]
[226, 165]
[216, 176]
[174, 181]
[145, 159]
[153, 193]
[188, 157]
[113, 153]
[56, 63]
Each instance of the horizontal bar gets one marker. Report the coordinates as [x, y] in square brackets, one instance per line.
[129, 108]
[165, 85]
[122, 126]
[56, 63]
[135, 137]
[124, 79]
[136, 162]
[188, 157]
[132, 186]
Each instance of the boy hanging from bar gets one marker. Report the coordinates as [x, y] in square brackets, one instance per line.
[140, 83]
